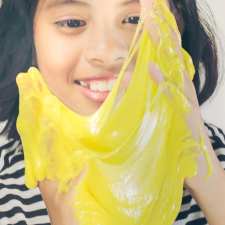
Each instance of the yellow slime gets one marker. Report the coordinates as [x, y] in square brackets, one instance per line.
[137, 148]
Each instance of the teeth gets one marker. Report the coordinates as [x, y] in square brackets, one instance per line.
[83, 84]
[102, 85]
[110, 84]
[98, 85]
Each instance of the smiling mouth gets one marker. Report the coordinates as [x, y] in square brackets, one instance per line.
[96, 91]
[97, 85]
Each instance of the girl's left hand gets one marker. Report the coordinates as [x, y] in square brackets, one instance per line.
[207, 192]
[195, 120]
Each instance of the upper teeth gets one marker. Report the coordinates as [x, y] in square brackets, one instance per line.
[83, 84]
[99, 85]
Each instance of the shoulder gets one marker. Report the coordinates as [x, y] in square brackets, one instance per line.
[18, 204]
[10, 150]
[216, 134]
[10, 153]
[217, 137]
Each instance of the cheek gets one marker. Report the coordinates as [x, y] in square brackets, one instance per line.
[57, 55]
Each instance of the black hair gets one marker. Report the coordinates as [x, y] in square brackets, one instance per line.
[16, 46]
[199, 39]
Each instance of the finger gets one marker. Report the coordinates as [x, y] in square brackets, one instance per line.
[187, 92]
[161, 29]
[75, 181]
[149, 4]
[153, 28]
[155, 73]
[190, 92]
[150, 20]
[161, 25]
[146, 4]
[168, 27]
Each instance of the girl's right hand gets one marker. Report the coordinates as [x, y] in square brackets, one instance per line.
[59, 205]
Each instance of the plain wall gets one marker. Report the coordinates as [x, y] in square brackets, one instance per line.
[214, 110]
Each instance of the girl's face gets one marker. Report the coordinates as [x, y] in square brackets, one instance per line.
[83, 42]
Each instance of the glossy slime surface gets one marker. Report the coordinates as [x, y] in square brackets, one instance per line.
[137, 148]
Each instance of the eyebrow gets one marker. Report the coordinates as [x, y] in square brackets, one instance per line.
[129, 2]
[56, 3]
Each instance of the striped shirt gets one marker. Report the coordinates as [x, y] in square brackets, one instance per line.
[20, 206]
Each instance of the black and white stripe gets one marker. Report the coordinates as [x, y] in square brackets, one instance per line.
[18, 205]
[21, 206]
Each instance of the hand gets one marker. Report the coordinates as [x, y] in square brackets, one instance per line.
[60, 205]
[195, 122]
[207, 192]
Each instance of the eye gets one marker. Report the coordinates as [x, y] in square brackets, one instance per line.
[131, 19]
[71, 23]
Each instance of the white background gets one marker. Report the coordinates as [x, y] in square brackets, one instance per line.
[213, 111]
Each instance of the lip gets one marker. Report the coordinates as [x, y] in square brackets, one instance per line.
[104, 76]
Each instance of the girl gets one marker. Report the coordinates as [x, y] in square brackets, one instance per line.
[78, 40]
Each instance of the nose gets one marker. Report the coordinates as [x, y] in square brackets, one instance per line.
[106, 50]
